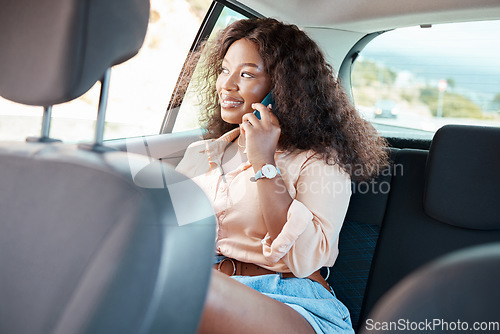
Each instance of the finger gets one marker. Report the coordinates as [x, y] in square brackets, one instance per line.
[272, 116]
[263, 110]
[251, 118]
[267, 116]
[246, 126]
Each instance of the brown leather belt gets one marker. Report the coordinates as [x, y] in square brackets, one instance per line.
[232, 267]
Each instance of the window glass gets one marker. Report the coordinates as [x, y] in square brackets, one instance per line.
[409, 82]
[140, 88]
[189, 110]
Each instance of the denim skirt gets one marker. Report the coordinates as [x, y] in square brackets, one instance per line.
[320, 308]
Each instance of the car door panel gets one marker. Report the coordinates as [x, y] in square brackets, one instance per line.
[169, 147]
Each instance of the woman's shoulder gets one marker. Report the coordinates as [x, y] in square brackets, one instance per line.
[201, 154]
[197, 148]
[196, 157]
[205, 145]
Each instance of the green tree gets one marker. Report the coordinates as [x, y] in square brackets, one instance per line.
[370, 80]
[364, 73]
[496, 102]
[496, 99]
[454, 105]
[367, 72]
[450, 82]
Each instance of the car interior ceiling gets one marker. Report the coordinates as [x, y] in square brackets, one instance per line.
[356, 16]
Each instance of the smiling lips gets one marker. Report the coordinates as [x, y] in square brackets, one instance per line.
[229, 102]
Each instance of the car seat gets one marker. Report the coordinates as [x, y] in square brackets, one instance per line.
[451, 294]
[92, 240]
[443, 201]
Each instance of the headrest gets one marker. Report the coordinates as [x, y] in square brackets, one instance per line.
[52, 51]
[440, 288]
[463, 177]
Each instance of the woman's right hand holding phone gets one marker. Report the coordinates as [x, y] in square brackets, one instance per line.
[261, 136]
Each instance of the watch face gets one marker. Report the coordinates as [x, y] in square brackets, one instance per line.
[269, 171]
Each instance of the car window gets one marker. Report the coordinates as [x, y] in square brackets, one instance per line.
[140, 88]
[189, 109]
[409, 82]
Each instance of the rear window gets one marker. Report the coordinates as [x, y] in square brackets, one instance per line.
[409, 82]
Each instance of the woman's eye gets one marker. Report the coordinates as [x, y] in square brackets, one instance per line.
[224, 70]
[246, 75]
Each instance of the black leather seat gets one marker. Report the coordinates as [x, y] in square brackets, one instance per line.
[90, 242]
[444, 201]
[358, 238]
[457, 293]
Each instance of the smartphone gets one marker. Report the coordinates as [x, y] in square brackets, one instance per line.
[268, 100]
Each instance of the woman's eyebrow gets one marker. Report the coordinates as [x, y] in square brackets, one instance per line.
[243, 64]
[250, 65]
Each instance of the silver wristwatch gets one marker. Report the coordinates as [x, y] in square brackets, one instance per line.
[268, 171]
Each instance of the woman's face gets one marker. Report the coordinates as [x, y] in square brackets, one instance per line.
[242, 81]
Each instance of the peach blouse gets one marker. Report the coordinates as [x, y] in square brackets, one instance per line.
[309, 238]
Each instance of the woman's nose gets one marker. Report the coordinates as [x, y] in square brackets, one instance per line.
[229, 82]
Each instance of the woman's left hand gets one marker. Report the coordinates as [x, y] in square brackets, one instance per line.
[261, 136]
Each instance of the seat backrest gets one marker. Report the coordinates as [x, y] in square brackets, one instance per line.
[421, 221]
[91, 242]
[86, 247]
[458, 292]
[358, 238]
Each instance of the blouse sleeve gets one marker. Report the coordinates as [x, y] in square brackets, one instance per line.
[309, 238]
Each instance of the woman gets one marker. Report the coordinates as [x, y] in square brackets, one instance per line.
[280, 185]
